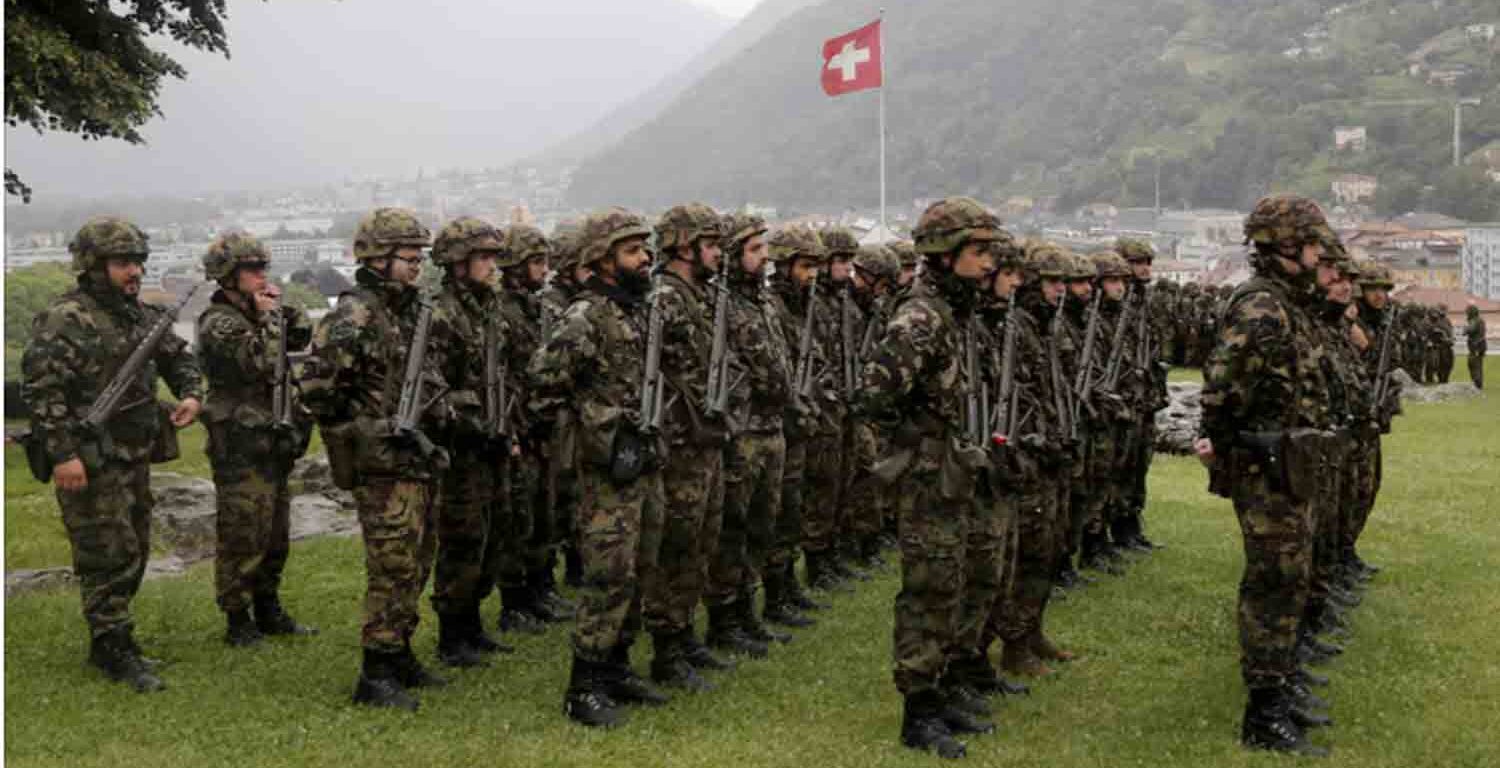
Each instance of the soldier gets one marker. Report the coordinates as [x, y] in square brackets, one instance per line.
[876, 269]
[352, 381]
[755, 460]
[907, 255]
[1443, 339]
[823, 510]
[103, 480]
[1073, 319]
[1379, 324]
[1144, 386]
[565, 279]
[1474, 334]
[470, 520]
[1263, 390]
[1106, 416]
[687, 237]
[593, 366]
[915, 386]
[524, 568]
[251, 441]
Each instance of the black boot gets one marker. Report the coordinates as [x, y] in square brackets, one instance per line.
[515, 612]
[479, 639]
[1301, 696]
[116, 655]
[453, 647]
[1268, 725]
[547, 578]
[725, 634]
[701, 657]
[623, 685]
[273, 620]
[794, 594]
[537, 603]
[380, 686]
[778, 609]
[870, 557]
[922, 726]
[1344, 599]
[961, 711]
[241, 631]
[1138, 532]
[670, 667]
[586, 702]
[751, 624]
[1319, 648]
[1122, 530]
[962, 695]
[412, 674]
[1308, 677]
[821, 574]
[843, 565]
[1093, 557]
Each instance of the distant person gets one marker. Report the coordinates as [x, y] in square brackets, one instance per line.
[1475, 330]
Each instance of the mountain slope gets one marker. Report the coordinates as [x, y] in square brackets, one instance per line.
[1078, 98]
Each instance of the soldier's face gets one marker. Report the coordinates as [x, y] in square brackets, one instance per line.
[125, 274]
[753, 255]
[975, 262]
[581, 274]
[838, 271]
[1081, 289]
[1377, 298]
[1311, 252]
[250, 279]
[1328, 274]
[632, 256]
[1007, 280]
[406, 267]
[1052, 290]
[481, 267]
[1340, 291]
[709, 253]
[1141, 270]
[907, 274]
[536, 271]
[1114, 288]
[804, 271]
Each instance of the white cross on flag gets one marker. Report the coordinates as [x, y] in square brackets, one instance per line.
[852, 62]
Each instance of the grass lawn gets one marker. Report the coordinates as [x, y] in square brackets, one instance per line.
[1157, 685]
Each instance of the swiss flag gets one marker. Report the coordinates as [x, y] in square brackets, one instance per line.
[852, 62]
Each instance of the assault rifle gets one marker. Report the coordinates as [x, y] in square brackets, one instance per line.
[1060, 392]
[851, 352]
[653, 384]
[716, 394]
[1006, 396]
[802, 379]
[281, 392]
[1117, 350]
[497, 400]
[411, 406]
[1086, 360]
[975, 417]
[1383, 366]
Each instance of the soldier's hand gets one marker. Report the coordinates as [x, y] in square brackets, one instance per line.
[267, 300]
[1204, 447]
[186, 412]
[70, 475]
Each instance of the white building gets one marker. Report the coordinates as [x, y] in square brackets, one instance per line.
[1354, 187]
[1480, 261]
[1349, 137]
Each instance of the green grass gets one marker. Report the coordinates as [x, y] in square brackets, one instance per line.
[1157, 685]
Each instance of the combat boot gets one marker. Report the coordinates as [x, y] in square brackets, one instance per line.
[670, 667]
[778, 610]
[552, 596]
[1044, 648]
[622, 684]
[453, 646]
[1092, 557]
[1344, 599]
[273, 620]
[479, 639]
[724, 633]
[572, 567]
[380, 686]
[794, 594]
[961, 695]
[1121, 531]
[1019, 659]
[1301, 696]
[537, 603]
[870, 557]
[1308, 677]
[751, 624]
[115, 654]
[843, 565]
[922, 726]
[1320, 648]
[585, 701]
[700, 657]
[241, 631]
[1268, 725]
[958, 711]
[412, 674]
[515, 612]
[823, 576]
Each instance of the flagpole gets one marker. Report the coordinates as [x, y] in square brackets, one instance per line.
[885, 230]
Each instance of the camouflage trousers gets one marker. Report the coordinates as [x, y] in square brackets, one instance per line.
[866, 504]
[1476, 370]
[521, 513]
[1327, 514]
[619, 536]
[1277, 531]
[109, 528]
[550, 526]
[1365, 479]
[1138, 447]
[1034, 551]
[693, 486]
[987, 571]
[1444, 363]
[789, 523]
[754, 467]
[934, 535]
[823, 493]
[252, 531]
[1099, 490]
[397, 522]
[471, 530]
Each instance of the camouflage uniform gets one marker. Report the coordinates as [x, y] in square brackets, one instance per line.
[1443, 338]
[823, 495]
[1377, 325]
[866, 505]
[559, 465]
[77, 344]
[351, 381]
[1144, 386]
[250, 453]
[1264, 380]
[1106, 416]
[1474, 335]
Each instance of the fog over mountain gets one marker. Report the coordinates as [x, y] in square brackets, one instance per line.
[318, 90]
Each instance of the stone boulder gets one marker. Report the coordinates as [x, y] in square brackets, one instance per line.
[1177, 424]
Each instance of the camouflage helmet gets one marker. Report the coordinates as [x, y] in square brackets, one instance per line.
[230, 250]
[602, 230]
[1009, 254]
[1133, 249]
[1373, 274]
[905, 252]
[384, 230]
[565, 252]
[463, 237]
[878, 260]
[840, 242]
[105, 237]
[1472, 310]
[796, 240]
[523, 243]
[1284, 223]
[1110, 264]
[1191, 289]
[1080, 267]
[1047, 261]
[683, 225]
[1350, 269]
[950, 223]
[738, 228]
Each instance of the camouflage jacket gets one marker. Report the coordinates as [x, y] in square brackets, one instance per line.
[522, 315]
[1032, 437]
[760, 349]
[466, 314]
[687, 343]
[1102, 404]
[1265, 373]
[1343, 369]
[553, 300]
[1144, 379]
[237, 352]
[1474, 332]
[591, 368]
[351, 379]
[77, 344]
[828, 328]
[788, 304]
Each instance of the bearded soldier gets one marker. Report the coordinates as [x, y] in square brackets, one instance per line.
[916, 387]
[688, 238]
[469, 533]
[1264, 396]
[352, 381]
[593, 367]
[240, 349]
[103, 477]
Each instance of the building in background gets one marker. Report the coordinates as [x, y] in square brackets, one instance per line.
[1480, 260]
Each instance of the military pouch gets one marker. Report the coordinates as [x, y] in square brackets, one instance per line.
[630, 457]
[1267, 449]
[959, 470]
[1306, 453]
[341, 443]
[37, 460]
[164, 447]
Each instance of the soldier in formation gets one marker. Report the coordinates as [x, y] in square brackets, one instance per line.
[1474, 335]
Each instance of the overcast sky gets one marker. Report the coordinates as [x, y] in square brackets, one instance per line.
[733, 8]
